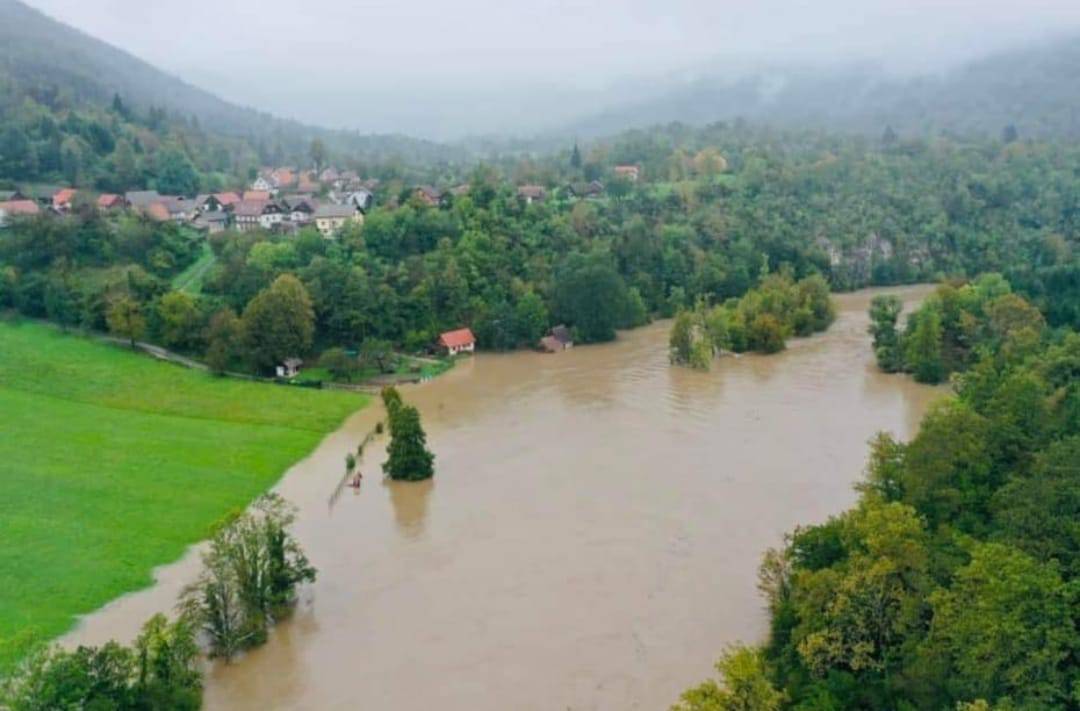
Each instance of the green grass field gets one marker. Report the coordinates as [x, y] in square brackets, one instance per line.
[112, 463]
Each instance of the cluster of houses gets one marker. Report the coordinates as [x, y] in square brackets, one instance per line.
[279, 200]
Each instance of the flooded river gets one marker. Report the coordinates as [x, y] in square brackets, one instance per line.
[590, 540]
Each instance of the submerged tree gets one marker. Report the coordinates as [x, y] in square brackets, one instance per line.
[249, 579]
[410, 459]
[884, 313]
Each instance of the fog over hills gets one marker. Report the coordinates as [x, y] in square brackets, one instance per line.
[482, 67]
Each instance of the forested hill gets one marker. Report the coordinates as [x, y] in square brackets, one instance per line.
[1036, 90]
[62, 69]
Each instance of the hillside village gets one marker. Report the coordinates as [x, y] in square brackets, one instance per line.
[280, 200]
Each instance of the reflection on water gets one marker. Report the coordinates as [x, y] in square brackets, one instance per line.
[593, 537]
[410, 502]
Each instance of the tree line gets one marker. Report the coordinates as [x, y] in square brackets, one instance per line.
[716, 203]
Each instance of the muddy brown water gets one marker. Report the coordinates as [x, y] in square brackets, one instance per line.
[591, 537]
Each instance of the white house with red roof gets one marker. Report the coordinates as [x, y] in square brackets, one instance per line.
[460, 341]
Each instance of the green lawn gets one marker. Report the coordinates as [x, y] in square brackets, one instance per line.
[112, 463]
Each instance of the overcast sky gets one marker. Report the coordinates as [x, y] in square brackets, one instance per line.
[433, 66]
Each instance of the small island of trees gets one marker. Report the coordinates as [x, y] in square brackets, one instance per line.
[761, 320]
[409, 458]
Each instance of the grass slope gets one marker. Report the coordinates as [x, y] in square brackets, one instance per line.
[191, 279]
[112, 463]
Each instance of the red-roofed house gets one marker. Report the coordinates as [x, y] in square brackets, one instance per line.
[22, 208]
[460, 341]
[61, 201]
[282, 178]
[628, 172]
[256, 196]
[157, 211]
[227, 200]
[108, 201]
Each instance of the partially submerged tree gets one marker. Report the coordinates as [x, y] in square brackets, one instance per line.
[249, 579]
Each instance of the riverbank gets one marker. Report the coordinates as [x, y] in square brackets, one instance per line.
[113, 463]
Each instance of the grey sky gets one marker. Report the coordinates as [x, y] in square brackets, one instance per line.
[441, 67]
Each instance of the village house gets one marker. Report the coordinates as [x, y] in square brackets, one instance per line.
[212, 222]
[460, 341]
[141, 199]
[428, 195]
[559, 339]
[179, 207]
[307, 183]
[362, 198]
[628, 172]
[109, 201]
[207, 203]
[586, 190]
[282, 178]
[289, 368]
[300, 208]
[155, 211]
[61, 201]
[256, 196]
[17, 208]
[247, 214]
[532, 193]
[331, 218]
[227, 200]
[262, 185]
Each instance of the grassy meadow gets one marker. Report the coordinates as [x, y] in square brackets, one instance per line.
[112, 463]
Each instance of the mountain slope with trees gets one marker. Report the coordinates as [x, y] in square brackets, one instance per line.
[74, 109]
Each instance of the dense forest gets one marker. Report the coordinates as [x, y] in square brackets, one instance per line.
[719, 208]
[952, 583]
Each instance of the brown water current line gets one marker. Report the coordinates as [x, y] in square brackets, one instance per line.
[591, 538]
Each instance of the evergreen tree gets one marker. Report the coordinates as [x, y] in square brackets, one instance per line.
[409, 458]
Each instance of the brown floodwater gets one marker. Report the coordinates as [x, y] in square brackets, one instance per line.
[591, 537]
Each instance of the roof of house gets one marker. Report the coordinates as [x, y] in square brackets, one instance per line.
[227, 198]
[457, 339]
[255, 195]
[141, 198]
[109, 200]
[214, 216]
[592, 188]
[20, 207]
[283, 176]
[627, 169]
[293, 362]
[532, 191]
[250, 208]
[63, 197]
[429, 192]
[562, 334]
[175, 204]
[331, 211]
[157, 211]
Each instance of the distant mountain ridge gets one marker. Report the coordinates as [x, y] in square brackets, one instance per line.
[41, 56]
[1035, 89]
